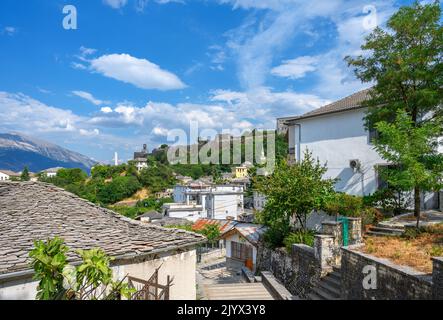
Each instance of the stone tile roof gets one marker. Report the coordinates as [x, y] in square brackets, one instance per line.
[250, 231]
[37, 211]
[351, 102]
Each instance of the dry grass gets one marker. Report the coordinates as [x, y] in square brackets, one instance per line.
[413, 252]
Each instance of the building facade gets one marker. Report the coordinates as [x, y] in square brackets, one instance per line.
[200, 200]
[336, 135]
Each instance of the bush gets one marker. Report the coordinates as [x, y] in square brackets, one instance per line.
[301, 236]
[371, 216]
[275, 235]
[58, 280]
[389, 200]
[118, 189]
[344, 205]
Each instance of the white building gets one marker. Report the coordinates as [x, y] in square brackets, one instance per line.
[225, 201]
[140, 163]
[200, 200]
[5, 175]
[141, 158]
[241, 244]
[51, 172]
[191, 212]
[336, 135]
[259, 200]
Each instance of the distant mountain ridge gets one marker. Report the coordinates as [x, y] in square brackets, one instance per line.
[18, 150]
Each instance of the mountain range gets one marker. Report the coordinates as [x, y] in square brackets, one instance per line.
[18, 150]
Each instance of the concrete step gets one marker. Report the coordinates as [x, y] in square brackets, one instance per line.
[386, 230]
[333, 281]
[313, 296]
[324, 294]
[380, 234]
[237, 291]
[335, 275]
[331, 289]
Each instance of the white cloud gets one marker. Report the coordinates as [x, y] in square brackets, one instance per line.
[226, 110]
[115, 4]
[21, 113]
[138, 72]
[89, 97]
[87, 51]
[89, 133]
[265, 35]
[106, 110]
[159, 131]
[296, 68]
[78, 66]
[9, 30]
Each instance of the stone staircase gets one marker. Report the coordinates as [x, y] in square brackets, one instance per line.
[328, 288]
[385, 231]
[237, 291]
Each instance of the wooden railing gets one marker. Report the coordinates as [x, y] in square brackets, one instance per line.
[150, 289]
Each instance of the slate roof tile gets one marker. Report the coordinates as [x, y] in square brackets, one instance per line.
[37, 211]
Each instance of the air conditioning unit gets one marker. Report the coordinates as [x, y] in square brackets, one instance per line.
[355, 164]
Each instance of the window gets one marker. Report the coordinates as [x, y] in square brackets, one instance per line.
[240, 251]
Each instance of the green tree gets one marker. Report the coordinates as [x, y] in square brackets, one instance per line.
[25, 175]
[405, 63]
[118, 189]
[292, 193]
[413, 151]
[211, 232]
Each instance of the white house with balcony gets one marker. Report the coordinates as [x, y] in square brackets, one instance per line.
[201, 200]
[336, 135]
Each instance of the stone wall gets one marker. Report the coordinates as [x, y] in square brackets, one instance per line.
[302, 268]
[437, 278]
[392, 282]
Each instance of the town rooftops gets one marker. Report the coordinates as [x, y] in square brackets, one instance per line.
[10, 173]
[223, 225]
[53, 170]
[152, 214]
[249, 231]
[354, 101]
[32, 211]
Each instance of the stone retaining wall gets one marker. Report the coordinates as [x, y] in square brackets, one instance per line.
[392, 282]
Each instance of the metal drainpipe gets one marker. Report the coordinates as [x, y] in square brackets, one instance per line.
[299, 142]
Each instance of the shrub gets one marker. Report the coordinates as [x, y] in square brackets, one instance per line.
[344, 204]
[300, 236]
[371, 216]
[275, 235]
[389, 200]
[91, 280]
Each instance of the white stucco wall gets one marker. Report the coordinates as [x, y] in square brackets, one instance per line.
[337, 139]
[189, 215]
[259, 201]
[220, 206]
[179, 194]
[4, 176]
[179, 265]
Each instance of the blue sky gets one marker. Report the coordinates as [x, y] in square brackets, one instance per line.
[134, 70]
